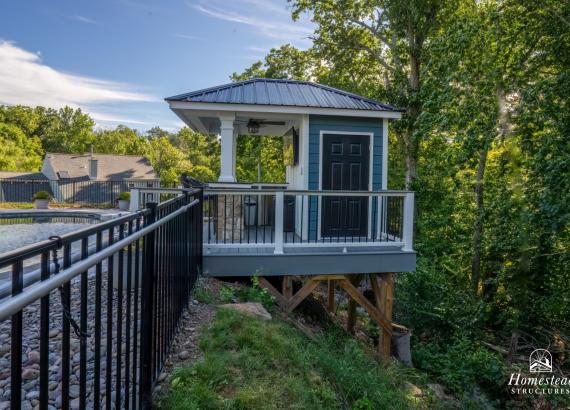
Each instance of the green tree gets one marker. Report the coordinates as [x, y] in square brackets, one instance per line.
[392, 36]
[167, 160]
[122, 141]
[285, 62]
[65, 130]
[18, 152]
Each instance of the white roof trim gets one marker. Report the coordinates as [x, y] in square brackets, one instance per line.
[201, 106]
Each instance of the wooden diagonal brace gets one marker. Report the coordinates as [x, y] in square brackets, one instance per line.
[369, 307]
[302, 294]
[264, 283]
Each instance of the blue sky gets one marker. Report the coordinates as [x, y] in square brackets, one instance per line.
[118, 59]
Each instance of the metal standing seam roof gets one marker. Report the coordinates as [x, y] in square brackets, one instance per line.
[264, 91]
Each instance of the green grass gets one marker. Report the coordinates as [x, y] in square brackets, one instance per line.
[253, 364]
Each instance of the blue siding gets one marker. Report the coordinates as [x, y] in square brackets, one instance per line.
[318, 123]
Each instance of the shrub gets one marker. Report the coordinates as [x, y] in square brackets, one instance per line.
[41, 195]
[227, 294]
[255, 293]
[124, 196]
[460, 365]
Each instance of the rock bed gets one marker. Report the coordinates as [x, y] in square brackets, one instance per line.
[31, 356]
[185, 350]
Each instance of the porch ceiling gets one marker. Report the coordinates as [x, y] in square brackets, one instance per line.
[209, 121]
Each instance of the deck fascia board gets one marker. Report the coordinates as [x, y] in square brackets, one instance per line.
[308, 264]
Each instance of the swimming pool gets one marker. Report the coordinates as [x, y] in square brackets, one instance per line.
[26, 228]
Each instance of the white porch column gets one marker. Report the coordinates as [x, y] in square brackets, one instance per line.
[227, 166]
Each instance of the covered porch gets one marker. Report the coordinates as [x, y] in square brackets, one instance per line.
[333, 213]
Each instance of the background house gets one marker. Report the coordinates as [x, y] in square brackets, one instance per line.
[80, 178]
[98, 167]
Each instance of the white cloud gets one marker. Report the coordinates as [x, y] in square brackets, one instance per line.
[24, 79]
[186, 36]
[84, 19]
[106, 118]
[267, 18]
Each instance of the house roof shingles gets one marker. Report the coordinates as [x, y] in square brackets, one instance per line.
[20, 176]
[264, 91]
[109, 167]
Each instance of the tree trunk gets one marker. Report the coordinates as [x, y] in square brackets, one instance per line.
[513, 346]
[478, 226]
[413, 111]
[411, 168]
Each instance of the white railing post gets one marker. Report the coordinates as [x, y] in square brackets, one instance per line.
[135, 197]
[279, 200]
[408, 229]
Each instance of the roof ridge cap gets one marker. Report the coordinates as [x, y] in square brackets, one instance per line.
[87, 154]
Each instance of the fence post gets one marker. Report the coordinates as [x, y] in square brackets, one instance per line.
[147, 311]
[279, 199]
[200, 229]
[408, 231]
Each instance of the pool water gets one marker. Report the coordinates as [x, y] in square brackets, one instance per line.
[21, 231]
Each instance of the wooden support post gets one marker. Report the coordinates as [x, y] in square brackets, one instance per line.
[369, 307]
[287, 287]
[387, 298]
[330, 296]
[351, 318]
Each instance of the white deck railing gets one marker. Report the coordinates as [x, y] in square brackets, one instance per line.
[281, 218]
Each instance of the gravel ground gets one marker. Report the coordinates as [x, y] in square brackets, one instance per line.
[31, 356]
[185, 350]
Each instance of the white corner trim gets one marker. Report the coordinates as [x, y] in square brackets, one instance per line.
[304, 135]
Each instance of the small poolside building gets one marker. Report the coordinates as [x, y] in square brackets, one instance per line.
[333, 220]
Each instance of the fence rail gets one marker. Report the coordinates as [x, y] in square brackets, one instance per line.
[280, 218]
[73, 191]
[97, 331]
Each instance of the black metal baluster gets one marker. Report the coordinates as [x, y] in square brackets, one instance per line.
[109, 358]
[65, 341]
[136, 362]
[245, 211]
[128, 315]
[233, 219]
[16, 340]
[97, 357]
[83, 327]
[258, 212]
[120, 272]
[44, 336]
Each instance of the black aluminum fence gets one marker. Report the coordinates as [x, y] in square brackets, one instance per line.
[95, 332]
[72, 191]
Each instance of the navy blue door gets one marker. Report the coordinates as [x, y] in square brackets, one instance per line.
[345, 167]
